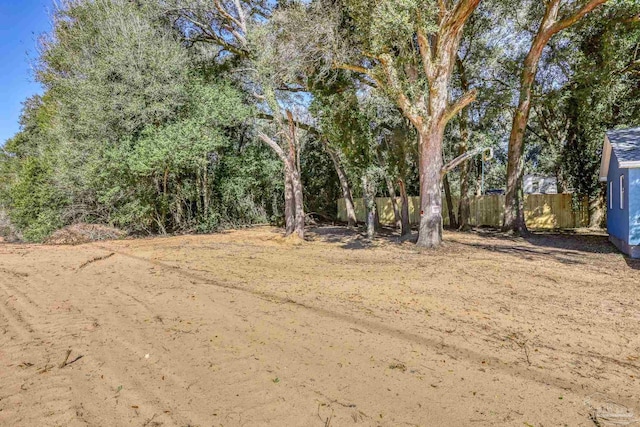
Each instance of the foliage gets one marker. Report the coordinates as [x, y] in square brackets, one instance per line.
[133, 132]
[151, 109]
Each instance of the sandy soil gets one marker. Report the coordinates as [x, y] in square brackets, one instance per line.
[247, 328]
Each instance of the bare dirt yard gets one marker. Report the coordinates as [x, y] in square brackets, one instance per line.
[247, 328]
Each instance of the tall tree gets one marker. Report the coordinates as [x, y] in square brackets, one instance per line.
[408, 50]
[558, 16]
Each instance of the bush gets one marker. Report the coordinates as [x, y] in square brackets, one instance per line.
[36, 204]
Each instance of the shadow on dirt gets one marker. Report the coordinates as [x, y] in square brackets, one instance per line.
[355, 239]
[565, 246]
[632, 263]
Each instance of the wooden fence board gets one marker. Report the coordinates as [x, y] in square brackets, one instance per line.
[542, 211]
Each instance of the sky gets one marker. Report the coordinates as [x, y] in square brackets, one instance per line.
[21, 22]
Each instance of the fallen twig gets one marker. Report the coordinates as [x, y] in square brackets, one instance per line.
[522, 343]
[64, 362]
[100, 258]
[66, 359]
[327, 421]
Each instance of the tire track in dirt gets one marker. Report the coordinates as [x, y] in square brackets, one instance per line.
[56, 327]
[54, 400]
[437, 343]
[244, 381]
[68, 326]
[128, 353]
[236, 356]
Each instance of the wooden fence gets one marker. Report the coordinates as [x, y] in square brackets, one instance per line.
[542, 211]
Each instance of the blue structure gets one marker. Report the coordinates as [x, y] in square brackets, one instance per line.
[620, 169]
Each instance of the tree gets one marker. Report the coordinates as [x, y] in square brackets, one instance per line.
[288, 151]
[408, 50]
[556, 18]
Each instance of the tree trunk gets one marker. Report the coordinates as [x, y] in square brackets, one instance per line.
[597, 210]
[205, 191]
[430, 146]
[549, 26]
[370, 204]
[448, 198]
[344, 185]
[514, 200]
[299, 203]
[464, 207]
[289, 203]
[405, 222]
[394, 202]
[294, 202]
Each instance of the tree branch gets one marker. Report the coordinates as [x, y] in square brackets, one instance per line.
[274, 145]
[401, 98]
[454, 108]
[358, 69]
[464, 157]
[569, 21]
[303, 126]
[461, 13]
[226, 14]
[243, 21]
[425, 53]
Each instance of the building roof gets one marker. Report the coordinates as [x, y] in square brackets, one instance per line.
[625, 144]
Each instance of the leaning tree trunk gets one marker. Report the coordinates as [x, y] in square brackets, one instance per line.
[344, 185]
[449, 199]
[514, 200]
[549, 26]
[405, 221]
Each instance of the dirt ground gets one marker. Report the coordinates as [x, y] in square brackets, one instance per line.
[246, 328]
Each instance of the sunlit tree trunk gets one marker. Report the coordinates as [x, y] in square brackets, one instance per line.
[394, 202]
[370, 205]
[289, 204]
[299, 203]
[430, 228]
[597, 210]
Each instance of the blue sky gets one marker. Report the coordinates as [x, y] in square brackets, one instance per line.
[21, 22]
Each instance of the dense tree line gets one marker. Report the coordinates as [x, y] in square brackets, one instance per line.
[187, 115]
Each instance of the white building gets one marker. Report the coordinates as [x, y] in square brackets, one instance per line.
[538, 184]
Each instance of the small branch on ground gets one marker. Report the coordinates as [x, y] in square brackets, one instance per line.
[66, 359]
[96, 259]
[327, 422]
[522, 343]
